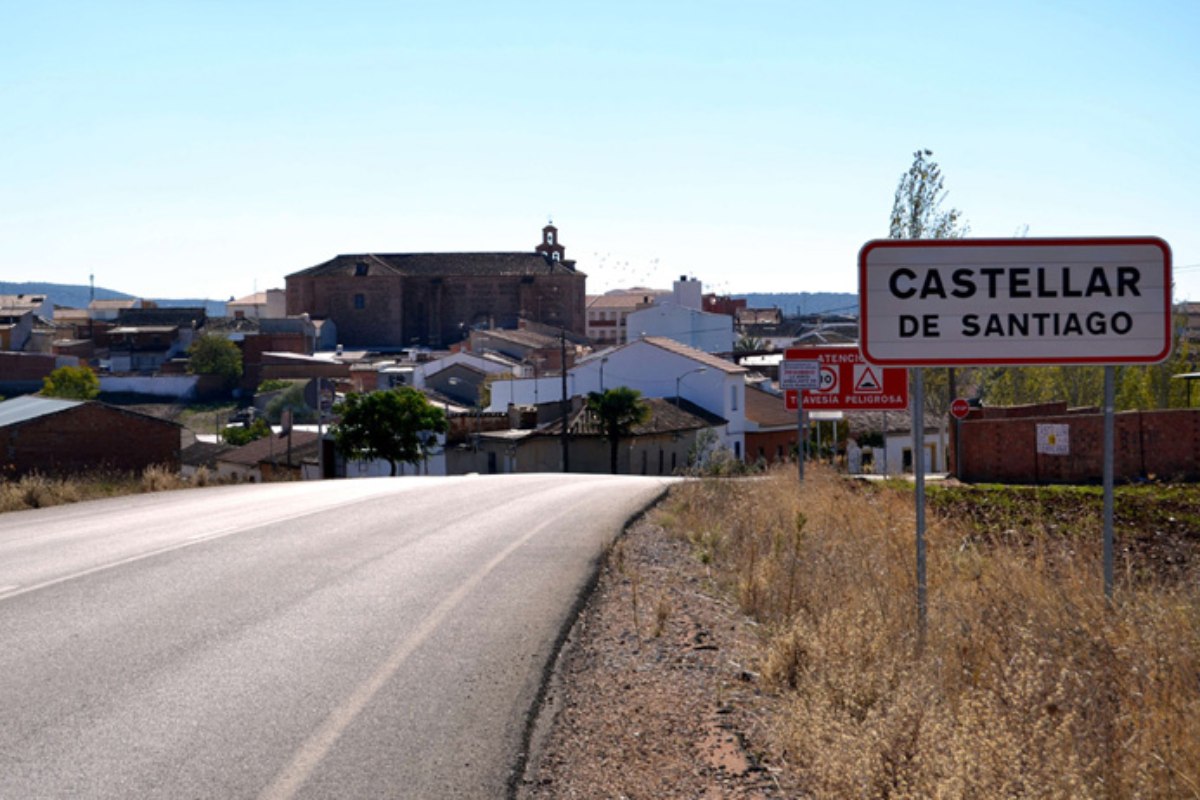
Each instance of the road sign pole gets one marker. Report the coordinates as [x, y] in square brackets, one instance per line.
[1109, 402]
[958, 470]
[918, 451]
[801, 443]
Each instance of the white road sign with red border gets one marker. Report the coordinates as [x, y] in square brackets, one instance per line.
[1015, 301]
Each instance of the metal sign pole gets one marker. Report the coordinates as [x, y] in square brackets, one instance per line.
[801, 444]
[919, 475]
[1109, 402]
[958, 470]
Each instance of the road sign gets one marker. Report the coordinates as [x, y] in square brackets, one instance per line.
[800, 373]
[848, 383]
[944, 302]
[959, 408]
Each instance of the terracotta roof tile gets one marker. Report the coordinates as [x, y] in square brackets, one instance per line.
[768, 410]
[702, 357]
[272, 447]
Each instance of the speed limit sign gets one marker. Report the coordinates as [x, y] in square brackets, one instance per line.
[829, 378]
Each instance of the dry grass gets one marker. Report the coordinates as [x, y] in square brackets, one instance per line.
[1028, 685]
[39, 491]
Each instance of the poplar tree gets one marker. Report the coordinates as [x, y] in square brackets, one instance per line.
[917, 213]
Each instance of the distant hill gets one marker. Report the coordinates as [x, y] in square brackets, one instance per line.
[802, 303]
[75, 296]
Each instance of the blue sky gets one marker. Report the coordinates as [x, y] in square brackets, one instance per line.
[206, 149]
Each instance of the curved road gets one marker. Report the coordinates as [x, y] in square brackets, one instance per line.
[366, 638]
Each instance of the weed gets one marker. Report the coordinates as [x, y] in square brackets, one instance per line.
[662, 613]
[1030, 684]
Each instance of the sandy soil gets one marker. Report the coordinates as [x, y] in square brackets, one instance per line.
[656, 693]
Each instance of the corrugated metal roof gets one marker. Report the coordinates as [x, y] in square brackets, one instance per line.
[23, 409]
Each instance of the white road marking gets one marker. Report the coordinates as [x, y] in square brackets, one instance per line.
[309, 755]
[9, 592]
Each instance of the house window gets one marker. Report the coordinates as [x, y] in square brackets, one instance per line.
[733, 397]
[360, 269]
[360, 301]
[737, 450]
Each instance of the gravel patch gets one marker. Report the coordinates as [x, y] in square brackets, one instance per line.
[656, 693]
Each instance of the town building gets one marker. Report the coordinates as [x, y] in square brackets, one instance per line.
[712, 333]
[608, 314]
[390, 301]
[52, 436]
[269, 304]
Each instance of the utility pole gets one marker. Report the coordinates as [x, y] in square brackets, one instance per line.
[566, 402]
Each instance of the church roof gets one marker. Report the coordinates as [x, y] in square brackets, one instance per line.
[438, 264]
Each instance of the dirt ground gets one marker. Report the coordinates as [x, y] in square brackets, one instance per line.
[657, 693]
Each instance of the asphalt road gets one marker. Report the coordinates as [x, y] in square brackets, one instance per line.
[367, 638]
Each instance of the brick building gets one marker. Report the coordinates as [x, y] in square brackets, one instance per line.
[389, 301]
[1001, 445]
[60, 437]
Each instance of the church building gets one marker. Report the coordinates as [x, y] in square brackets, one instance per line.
[388, 301]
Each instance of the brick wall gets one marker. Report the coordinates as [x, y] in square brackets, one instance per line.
[88, 437]
[1000, 445]
[770, 442]
[378, 311]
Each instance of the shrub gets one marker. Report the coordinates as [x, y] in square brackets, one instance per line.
[1027, 684]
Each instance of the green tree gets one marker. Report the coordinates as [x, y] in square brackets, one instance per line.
[748, 344]
[386, 424]
[617, 410]
[485, 388]
[291, 399]
[215, 355]
[917, 207]
[238, 436]
[917, 213]
[72, 383]
[1133, 389]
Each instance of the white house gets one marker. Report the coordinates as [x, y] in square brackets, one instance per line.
[656, 367]
[702, 330]
[270, 304]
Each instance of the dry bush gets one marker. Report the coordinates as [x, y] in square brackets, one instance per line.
[203, 477]
[1028, 683]
[40, 491]
[37, 491]
[160, 478]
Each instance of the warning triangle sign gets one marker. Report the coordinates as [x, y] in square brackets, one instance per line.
[866, 379]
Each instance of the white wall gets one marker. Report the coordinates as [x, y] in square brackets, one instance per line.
[688, 293]
[712, 333]
[897, 443]
[653, 372]
[485, 365]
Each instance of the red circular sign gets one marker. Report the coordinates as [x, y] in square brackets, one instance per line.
[960, 408]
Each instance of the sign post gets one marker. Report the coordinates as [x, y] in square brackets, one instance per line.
[1018, 302]
[798, 375]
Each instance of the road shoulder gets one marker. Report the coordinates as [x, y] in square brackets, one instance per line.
[656, 692]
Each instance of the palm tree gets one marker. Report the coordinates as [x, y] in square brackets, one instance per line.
[618, 410]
